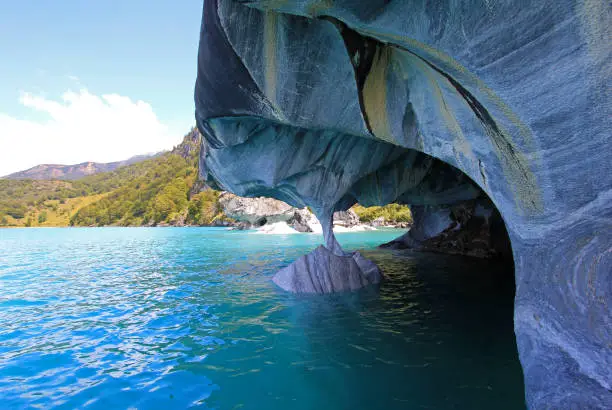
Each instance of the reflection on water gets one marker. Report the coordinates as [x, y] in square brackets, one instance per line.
[172, 318]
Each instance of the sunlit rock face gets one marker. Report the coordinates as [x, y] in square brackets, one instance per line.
[324, 103]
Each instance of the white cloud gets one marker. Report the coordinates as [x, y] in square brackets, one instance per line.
[81, 127]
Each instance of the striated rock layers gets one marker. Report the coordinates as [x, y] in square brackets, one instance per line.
[322, 271]
[438, 104]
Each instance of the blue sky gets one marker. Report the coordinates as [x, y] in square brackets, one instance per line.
[79, 79]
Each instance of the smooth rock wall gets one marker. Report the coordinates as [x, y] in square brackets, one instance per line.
[323, 103]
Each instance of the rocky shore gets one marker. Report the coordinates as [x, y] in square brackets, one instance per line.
[273, 216]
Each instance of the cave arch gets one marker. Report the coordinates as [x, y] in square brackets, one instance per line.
[300, 100]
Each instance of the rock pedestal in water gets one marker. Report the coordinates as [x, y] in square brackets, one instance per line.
[436, 104]
[322, 271]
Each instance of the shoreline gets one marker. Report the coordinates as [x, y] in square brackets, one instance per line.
[229, 228]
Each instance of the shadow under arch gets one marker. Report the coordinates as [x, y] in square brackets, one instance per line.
[451, 213]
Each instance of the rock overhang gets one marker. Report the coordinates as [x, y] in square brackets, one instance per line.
[511, 102]
[390, 94]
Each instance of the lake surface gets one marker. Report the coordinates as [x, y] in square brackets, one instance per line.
[160, 318]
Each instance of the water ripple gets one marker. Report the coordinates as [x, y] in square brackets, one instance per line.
[177, 318]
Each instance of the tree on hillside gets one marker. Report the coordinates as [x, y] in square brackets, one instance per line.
[204, 208]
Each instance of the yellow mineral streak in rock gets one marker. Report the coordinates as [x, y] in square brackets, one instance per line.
[516, 168]
[460, 143]
[433, 54]
[375, 95]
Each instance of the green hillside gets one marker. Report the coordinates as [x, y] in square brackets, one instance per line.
[161, 190]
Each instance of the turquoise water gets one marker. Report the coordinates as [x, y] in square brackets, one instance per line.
[160, 318]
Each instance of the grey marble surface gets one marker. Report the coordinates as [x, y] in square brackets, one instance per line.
[324, 103]
[321, 271]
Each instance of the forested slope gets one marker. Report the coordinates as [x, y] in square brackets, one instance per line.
[160, 190]
[163, 190]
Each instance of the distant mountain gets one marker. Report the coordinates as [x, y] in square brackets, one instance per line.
[72, 172]
[163, 190]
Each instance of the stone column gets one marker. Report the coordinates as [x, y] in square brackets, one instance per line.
[326, 217]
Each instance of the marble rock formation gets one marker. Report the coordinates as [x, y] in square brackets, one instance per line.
[259, 211]
[255, 211]
[435, 103]
[348, 218]
[322, 271]
[304, 221]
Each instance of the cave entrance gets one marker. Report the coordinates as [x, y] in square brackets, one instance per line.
[470, 228]
[449, 291]
[450, 213]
